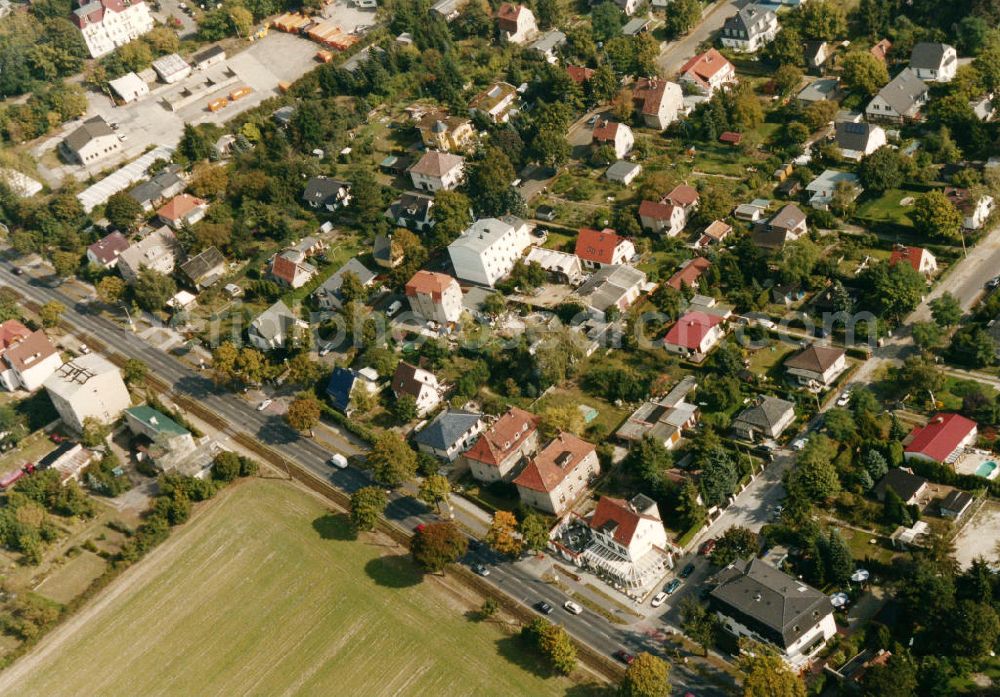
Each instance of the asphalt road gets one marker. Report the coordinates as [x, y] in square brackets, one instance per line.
[403, 510]
[675, 53]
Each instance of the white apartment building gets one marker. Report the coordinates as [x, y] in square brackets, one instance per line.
[435, 297]
[108, 24]
[158, 252]
[489, 248]
[89, 386]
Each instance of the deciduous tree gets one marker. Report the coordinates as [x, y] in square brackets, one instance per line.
[367, 504]
[303, 412]
[392, 461]
[765, 674]
[502, 537]
[647, 676]
[434, 490]
[736, 543]
[864, 72]
[51, 312]
[936, 216]
[436, 545]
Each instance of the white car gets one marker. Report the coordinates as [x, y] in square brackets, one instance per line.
[798, 443]
[395, 307]
[265, 404]
[326, 349]
[659, 599]
[572, 608]
[338, 461]
[844, 399]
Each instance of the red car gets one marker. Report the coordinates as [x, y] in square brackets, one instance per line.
[56, 438]
[624, 656]
[706, 547]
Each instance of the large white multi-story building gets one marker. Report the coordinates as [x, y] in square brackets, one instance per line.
[108, 24]
[89, 386]
[489, 248]
[436, 297]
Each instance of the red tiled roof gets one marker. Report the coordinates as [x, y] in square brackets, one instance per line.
[881, 49]
[731, 137]
[605, 131]
[429, 283]
[683, 196]
[598, 245]
[504, 437]
[34, 348]
[705, 66]
[656, 211]
[12, 332]
[939, 438]
[718, 230]
[179, 206]
[961, 198]
[650, 93]
[612, 510]
[507, 16]
[911, 255]
[579, 74]
[552, 465]
[690, 274]
[109, 247]
[691, 329]
[284, 269]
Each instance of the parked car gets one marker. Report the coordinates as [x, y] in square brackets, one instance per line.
[658, 599]
[572, 608]
[673, 586]
[543, 607]
[844, 399]
[326, 349]
[481, 569]
[798, 443]
[338, 461]
[687, 571]
[393, 308]
[18, 271]
[624, 656]
[265, 404]
[706, 547]
[993, 282]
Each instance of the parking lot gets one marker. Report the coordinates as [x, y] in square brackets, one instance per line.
[979, 535]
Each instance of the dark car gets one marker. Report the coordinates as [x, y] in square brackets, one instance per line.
[481, 569]
[687, 571]
[18, 271]
[624, 656]
[706, 547]
[543, 607]
[673, 586]
[993, 282]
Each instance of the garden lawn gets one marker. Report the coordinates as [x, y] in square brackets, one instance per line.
[887, 209]
[266, 594]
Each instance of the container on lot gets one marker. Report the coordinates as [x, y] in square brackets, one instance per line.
[240, 93]
[217, 104]
[324, 56]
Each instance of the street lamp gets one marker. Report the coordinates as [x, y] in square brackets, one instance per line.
[131, 324]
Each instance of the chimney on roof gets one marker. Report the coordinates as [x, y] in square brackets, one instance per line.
[152, 420]
[757, 596]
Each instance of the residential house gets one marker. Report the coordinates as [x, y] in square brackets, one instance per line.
[974, 209]
[826, 185]
[171, 447]
[881, 50]
[623, 172]
[659, 101]
[27, 358]
[449, 9]
[105, 251]
[823, 89]
[695, 333]
[768, 417]
[663, 218]
[628, 6]
[628, 541]
[934, 62]
[435, 297]
[750, 29]
[817, 366]
[598, 248]
[275, 327]
[715, 233]
[616, 287]
[983, 107]
[165, 184]
[753, 211]
[561, 266]
[386, 253]
[182, 211]
[546, 213]
[326, 193]
[943, 439]
[907, 486]
[108, 24]
[89, 386]
[422, 385]
[129, 87]
[498, 452]
[92, 141]
[516, 23]
[687, 197]
[328, 296]
[19, 183]
[787, 225]
[637, 25]
[205, 268]
[436, 171]
[488, 249]
[689, 273]
[157, 251]
[618, 135]
[753, 599]
[901, 100]
[578, 74]
[859, 139]
[663, 419]
[445, 133]
[558, 475]
[346, 385]
[955, 504]
[412, 211]
[496, 102]
[920, 259]
[171, 68]
[291, 266]
[816, 53]
[548, 44]
[451, 433]
[68, 459]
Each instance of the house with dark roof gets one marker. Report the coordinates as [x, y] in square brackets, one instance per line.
[412, 381]
[934, 62]
[499, 452]
[859, 139]
[345, 384]
[975, 208]
[955, 504]
[663, 418]
[558, 475]
[768, 417]
[785, 227]
[326, 193]
[92, 141]
[823, 89]
[658, 101]
[753, 599]
[205, 268]
[598, 248]
[750, 29]
[328, 295]
[515, 23]
[618, 135]
[548, 44]
[908, 486]
[628, 541]
[450, 434]
[412, 211]
[105, 251]
[901, 100]
[165, 184]
[816, 53]
[943, 439]
[817, 366]
[662, 217]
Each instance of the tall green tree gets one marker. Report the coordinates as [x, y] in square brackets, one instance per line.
[765, 674]
[436, 545]
[935, 216]
[647, 676]
[367, 504]
[392, 461]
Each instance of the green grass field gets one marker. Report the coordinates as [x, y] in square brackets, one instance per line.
[266, 594]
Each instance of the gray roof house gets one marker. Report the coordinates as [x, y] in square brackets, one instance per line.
[548, 44]
[933, 61]
[754, 599]
[818, 90]
[787, 225]
[205, 268]
[92, 141]
[900, 100]
[858, 139]
[623, 172]
[273, 327]
[165, 184]
[611, 286]
[450, 434]
[412, 211]
[750, 29]
[328, 193]
[767, 418]
[328, 295]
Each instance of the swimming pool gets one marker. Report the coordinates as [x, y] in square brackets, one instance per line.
[987, 469]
